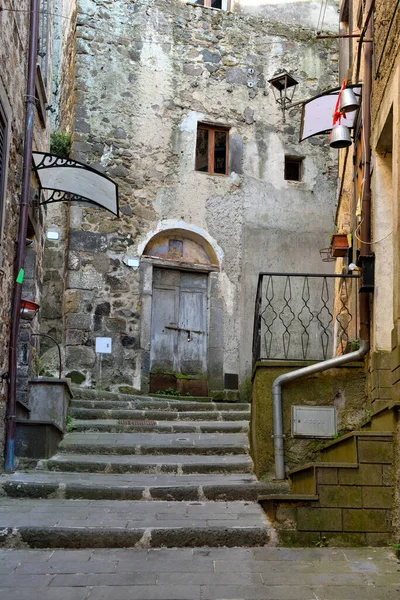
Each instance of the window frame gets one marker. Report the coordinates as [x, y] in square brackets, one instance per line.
[44, 39]
[207, 4]
[294, 159]
[212, 129]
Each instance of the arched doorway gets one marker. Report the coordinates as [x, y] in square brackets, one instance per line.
[181, 264]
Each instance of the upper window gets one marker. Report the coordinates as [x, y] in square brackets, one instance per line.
[219, 4]
[293, 168]
[212, 149]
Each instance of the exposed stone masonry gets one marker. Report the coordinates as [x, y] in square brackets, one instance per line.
[145, 74]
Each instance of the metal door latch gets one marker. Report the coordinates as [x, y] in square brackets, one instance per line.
[188, 331]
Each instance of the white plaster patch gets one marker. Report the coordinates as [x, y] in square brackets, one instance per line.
[189, 123]
[228, 292]
[107, 155]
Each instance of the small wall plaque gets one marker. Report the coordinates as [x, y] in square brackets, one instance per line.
[103, 345]
[314, 421]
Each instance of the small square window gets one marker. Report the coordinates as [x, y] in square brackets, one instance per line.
[293, 168]
[212, 149]
[218, 4]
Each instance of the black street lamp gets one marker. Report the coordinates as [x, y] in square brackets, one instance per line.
[283, 86]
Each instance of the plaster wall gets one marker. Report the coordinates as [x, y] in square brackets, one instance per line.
[309, 12]
[146, 74]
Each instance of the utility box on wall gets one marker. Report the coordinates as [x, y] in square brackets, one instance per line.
[314, 421]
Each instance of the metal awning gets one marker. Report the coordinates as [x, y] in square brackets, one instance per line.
[317, 117]
[68, 179]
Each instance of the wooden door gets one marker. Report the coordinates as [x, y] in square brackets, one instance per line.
[178, 351]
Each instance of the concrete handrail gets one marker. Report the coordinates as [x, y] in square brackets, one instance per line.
[293, 376]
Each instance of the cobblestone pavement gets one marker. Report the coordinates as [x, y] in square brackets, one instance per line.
[200, 574]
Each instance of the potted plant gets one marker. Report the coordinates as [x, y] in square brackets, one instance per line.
[339, 244]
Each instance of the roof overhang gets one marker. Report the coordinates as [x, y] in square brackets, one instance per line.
[70, 180]
[317, 116]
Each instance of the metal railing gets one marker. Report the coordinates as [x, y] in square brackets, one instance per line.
[304, 316]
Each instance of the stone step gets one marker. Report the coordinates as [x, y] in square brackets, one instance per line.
[64, 485]
[126, 524]
[91, 394]
[159, 415]
[182, 464]
[160, 404]
[154, 443]
[143, 425]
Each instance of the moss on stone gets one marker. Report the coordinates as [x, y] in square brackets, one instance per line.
[76, 377]
[343, 387]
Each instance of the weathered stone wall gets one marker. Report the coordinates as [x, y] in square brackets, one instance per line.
[343, 388]
[384, 360]
[55, 254]
[14, 28]
[146, 73]
[386, 149]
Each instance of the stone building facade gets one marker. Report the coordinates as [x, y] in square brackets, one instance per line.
[154, 80]
[14, 34]
[383, 384]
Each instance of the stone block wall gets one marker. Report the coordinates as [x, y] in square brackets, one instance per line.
[380, 379]
[145, 75]
[55, 300]
[353, 505]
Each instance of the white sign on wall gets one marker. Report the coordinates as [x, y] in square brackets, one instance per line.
[314, 421]
[103, 345]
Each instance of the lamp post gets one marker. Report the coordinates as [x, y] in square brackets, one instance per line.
[283, 86]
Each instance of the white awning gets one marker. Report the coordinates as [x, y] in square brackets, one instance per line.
[317, 117]
[71, 180]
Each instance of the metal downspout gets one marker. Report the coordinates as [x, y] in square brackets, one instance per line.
[365, 226]
[23, 225]
[293, 376]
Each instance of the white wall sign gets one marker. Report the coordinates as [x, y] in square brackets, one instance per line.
[53, 235]
[103, 345]
[314, 421]
[133, 262]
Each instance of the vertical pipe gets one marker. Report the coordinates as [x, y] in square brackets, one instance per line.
[365, 229]
[23, 226]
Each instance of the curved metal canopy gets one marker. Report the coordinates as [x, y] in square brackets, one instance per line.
[71, 180]
[317, 113]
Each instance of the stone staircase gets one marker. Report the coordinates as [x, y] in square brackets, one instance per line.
[346, 497]
[143, 472]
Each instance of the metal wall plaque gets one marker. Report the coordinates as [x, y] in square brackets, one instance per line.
[314, 421]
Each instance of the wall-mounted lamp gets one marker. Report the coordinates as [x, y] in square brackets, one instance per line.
[283, 86]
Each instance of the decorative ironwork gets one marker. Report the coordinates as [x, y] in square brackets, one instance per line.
[51, 161]
[59, 196]
[304, 316]
[65, 179]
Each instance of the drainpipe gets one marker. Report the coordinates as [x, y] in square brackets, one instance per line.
[293, 376]
[365, 228]
[30, 101]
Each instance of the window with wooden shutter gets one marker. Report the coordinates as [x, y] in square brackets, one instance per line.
[212, 149]
[3, 156]
[43, 39]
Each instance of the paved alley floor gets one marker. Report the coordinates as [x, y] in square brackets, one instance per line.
[200, 574]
